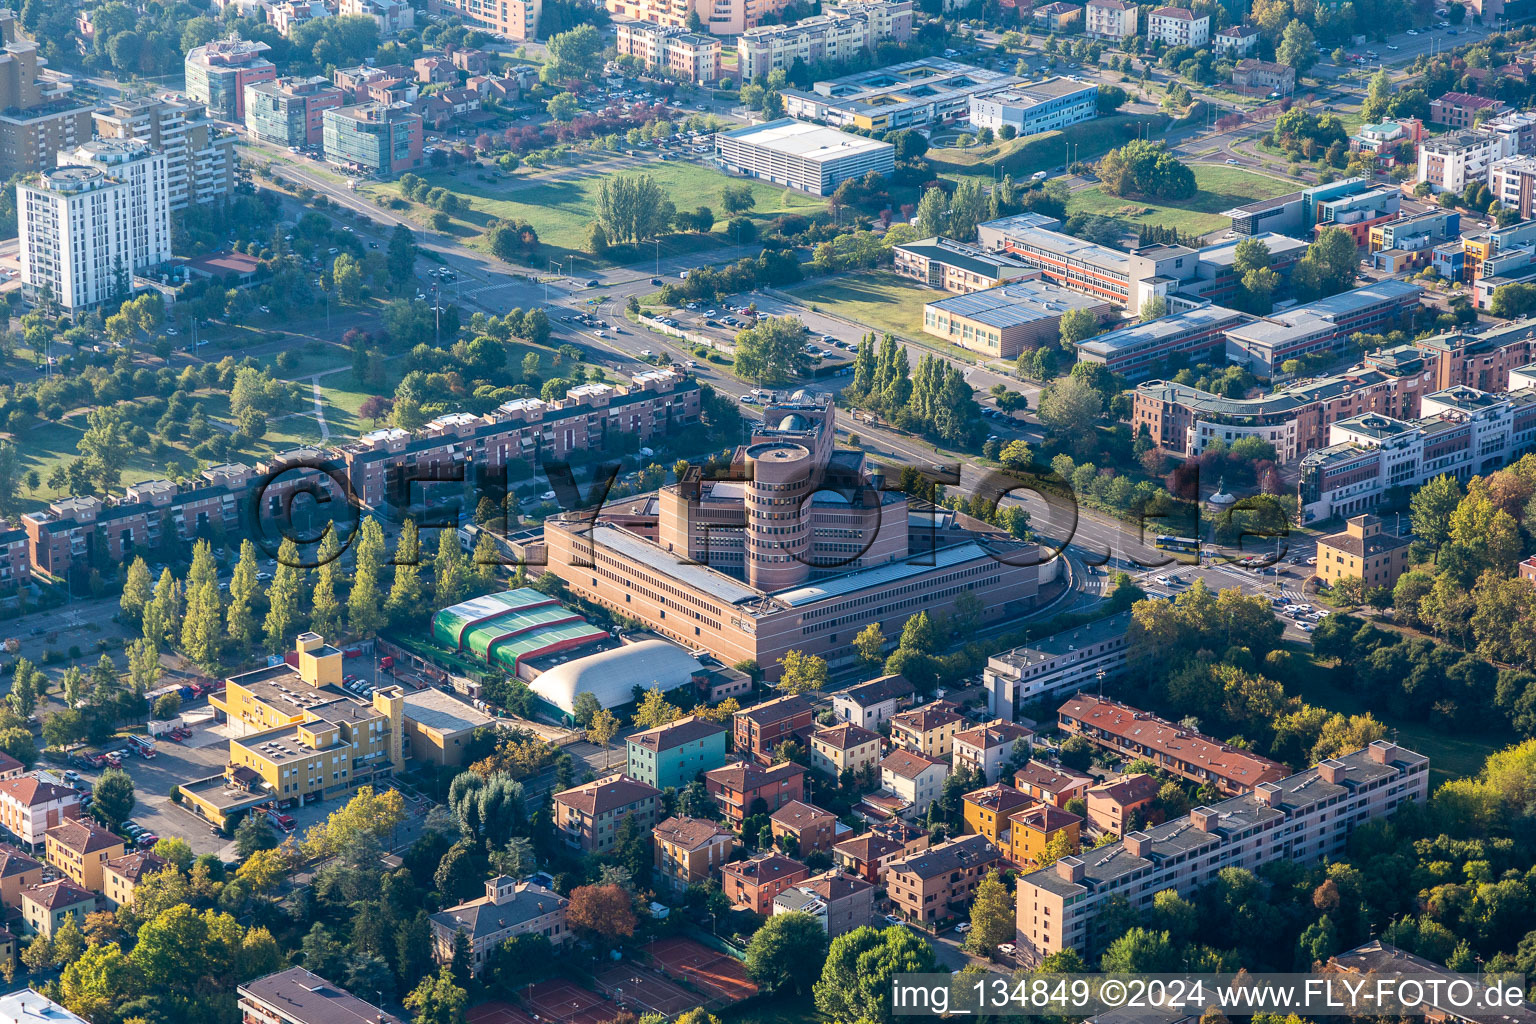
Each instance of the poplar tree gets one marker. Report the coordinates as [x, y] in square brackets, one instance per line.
[364, 613]
[243, 586]
[448, 569]
[405, 592]
[283, 597]
[325, 610]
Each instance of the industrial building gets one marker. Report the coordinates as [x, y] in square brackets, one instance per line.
[1012, 318]
[808, 157]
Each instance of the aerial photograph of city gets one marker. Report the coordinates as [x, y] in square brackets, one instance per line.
[767, 511]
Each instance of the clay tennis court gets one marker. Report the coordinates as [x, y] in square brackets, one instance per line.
[697, 963]
[559, 1000]
[498, 1013]
[639, 989]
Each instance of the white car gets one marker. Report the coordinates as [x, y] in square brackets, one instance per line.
[646, 353]
[963, 927]
[1164, 580]
[1007, 949]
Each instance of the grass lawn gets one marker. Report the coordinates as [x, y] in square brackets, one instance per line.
[561, 210]
[1024, 156]
[884, 301]
[1220, 188]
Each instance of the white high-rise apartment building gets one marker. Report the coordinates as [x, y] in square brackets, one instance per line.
[86, 227]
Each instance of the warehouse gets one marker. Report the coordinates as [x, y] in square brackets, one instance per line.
[808, 157]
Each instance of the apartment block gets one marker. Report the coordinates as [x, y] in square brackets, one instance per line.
[218, 72]
[1060, 663]
[514, 20]
[1450, 163]
[30, 806]
[1237, 41]
[754, 883]
[1302, 818]
[838, 902]
[689, 851]
[1460, 109]
[809, 827]
[1264, 76]
[120, 877]
[81, 850]
[1130, 732]
[39, 111]
[673, 755]
[1511, 181]
[1033, 829]
[987, 810]
[914, 781]
[145, 171]
[1111, 804]
[291, 111]
[938, 883]
[839, 34]
[374, 138]
[928, 730]
[868, 704]
[44, 907]
[744, 789]
[1176, 26]
[870, 855]
[392, 16]
[200, 157]
[75, 242]
[987, 748]
[719, 17]
[588, 816]
[1411, 241]
[844, 747]
[1110, 20]
[1048, 784]
[684, 55]
[761, 728]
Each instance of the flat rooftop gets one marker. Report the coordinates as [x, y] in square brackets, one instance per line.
[804, 140]
[1152, 332]
[1016, 304]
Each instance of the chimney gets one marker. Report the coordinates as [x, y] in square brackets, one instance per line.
[1267, 793]
[1138, 844]
[1382, 751]
[1331, 771]
[1070, 868]
[1203, 818]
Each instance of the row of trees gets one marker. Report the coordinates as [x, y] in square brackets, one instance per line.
[934, 400]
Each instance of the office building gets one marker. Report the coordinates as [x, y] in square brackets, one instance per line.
[1139, 350]
[218, 72]
[719, 17]
[839, 903]
[1004, 321]
[1261, 76]
[1111, 20]
[837, 35]
[440, 727]
[794, 576]
[956, 267]
[1460, 109]
[1177, 26]
[687, 56]
[1363, 551]
[298, 996]
[1237, 41]
[200, 157]
[1057, 664]
[290, 111]
[1449, 163]
[39, 111]
[373, 138]
[75, 238]
[148, 203]
[1321, 326]
[513, 20]
[935, 885]
[673, 755]
[1354, 204]
[392, 16]
[588, 816]
[915, 94]
[1280, 820]
[803, 156]
[1034, 107]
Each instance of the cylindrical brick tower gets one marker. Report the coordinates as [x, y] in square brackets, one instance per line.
[778, 517]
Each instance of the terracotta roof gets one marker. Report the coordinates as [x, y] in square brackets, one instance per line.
[135, 866]
[868, 848]
[1239, 31]
[54, 895]
[1000, 798]
[1128, 789]
[877, 691]
[777, 710]
[9, 763]
[1362, 546]
[1050, 780]
[926, 718]
[1240, 767]
[1174, 12]
[764, 868]
[690, 833]
[31, 791]
[835, 885]
[994, 734]
[845, 735]
[967, 851]
[799, 814]
[606, 794]
[907, 764]
[82, 837]
[1113, 5]
[13, 861]
[744, 776]
[684, 730]
[1044, 818]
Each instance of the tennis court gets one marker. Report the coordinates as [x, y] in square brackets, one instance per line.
[709, 969]
[559, 1000]
[497, 1012]
[641, 990]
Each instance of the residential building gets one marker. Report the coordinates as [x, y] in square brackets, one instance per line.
[928, 730]
[1377, 957]
[392, 16]
[1046, 784]
[290, 14]
[28, 1007]
[936, 885]
[1110, 20]
[200, 157]
[1139, 350]
[674, 755]
[435, 69]
[987, 748]
[689, 850]
[1389, 140]
[687, 56]
[44, 907]
[75, 241]
[868, 704]
[1111, 804]
[1279, 820]
[762, 727]
[298, 996]
[987, 810]
[1262, 76]
[39, 111]
[837, 35]
[1321, 326]
[871, 854]
[1176, 26]
[81, 850]
[30, 806]
[1527, 568]
[10, 768]
[1411, 241]
[839, 903]
[147, 233]
[291, 111]
[1175, 749]
[17, 872]
[514, 20]
[218, 72]
[508, 909]
[803, 156]
[1518, 126]
[439, 727]
[754, 883]
[1511, 182]
[1004, 321]
[1364, 551]
[1031, 108]
[913, 94]
[1060, 663]
[589, 815]
[1032, 830]
[722, 18]
[374, 138]
[378, 83]
[808, 826]
[844, 746]
[1460, 109]
[738, 787]
[1058, 16]
[952, 266]
[1449, 163]
[122, 875]
[914, 780]
[1237, 41]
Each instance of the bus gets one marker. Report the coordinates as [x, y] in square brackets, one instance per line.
[1187, 545]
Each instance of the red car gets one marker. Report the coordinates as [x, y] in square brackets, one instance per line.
[352, 652]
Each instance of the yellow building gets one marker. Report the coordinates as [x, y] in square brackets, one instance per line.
[81, 851]
[123, 875]
[1363, 550]
[301, 737]
[44, 907]
[928, 730]
[987, 810]
[1032, 830]
[844, 745]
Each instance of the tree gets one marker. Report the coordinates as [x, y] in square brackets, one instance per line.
[97, 981]
[1143, 168]
[263, 870]
[653, 710]
[787, 949]
[856, 978]
[438, 999]
[202, 630]
[604, 911]
[1298, 47]
[283, 597]
[1513, 300]
[802, 672]
[584, 707]
[771, 352]
[1153, 307]
[737, 199]
[575, 54]
[870, 643]
[992, 916]
[632, 208]
[562, 107]
[1329, 267]
[1432, 506]
[114, 798]
[240, 622]
[1140, 951]
[367, 814]
[601, 729]
[405, 597]
[324, 608]
[365, 613]
[449, 570]
[138, 589]
[1069, 408]
[401, 257]
[1078, 325]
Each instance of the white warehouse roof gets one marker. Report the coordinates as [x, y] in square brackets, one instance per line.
[612, 675]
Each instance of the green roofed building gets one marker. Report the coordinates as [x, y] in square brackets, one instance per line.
[503, 629]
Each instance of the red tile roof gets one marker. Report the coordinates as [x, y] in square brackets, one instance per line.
[606, 794]
[1153, 734]
[83, 837]
[690, 833]
[906, 764]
